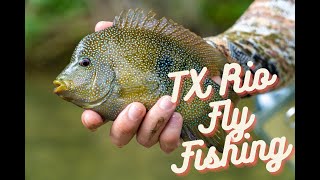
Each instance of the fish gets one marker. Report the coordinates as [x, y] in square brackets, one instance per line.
[130, 62]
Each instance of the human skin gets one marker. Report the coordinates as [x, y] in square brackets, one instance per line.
[134, 120]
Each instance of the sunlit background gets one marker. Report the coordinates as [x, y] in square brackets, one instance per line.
[57, 144]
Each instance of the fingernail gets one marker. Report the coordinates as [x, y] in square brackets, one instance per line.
[100, 23]
[175, 120]
[166, 103]
[175, 116]
[134, 112]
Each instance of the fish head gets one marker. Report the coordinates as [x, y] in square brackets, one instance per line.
[87, 80]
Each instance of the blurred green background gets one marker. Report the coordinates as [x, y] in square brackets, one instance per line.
[57, 144]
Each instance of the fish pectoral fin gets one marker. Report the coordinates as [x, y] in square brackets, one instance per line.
[145, 87]
[134, 90]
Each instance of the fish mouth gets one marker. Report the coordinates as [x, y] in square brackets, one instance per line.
[60, 86]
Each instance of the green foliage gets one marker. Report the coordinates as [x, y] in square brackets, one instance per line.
[50, 8]
[40, 14]
[223, 13]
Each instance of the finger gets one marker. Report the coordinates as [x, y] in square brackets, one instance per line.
[102, 25]
[170, 136]
[91, 120]
[127, 124]
[154, 121]
[216, 79]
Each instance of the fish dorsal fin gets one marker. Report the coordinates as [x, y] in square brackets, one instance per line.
[137, 19]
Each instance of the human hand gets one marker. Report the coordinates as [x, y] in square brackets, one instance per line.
[160, 124]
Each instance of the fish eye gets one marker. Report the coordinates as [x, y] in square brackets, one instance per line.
[84, 62]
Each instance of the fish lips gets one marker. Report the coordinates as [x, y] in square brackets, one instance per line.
[61, 87]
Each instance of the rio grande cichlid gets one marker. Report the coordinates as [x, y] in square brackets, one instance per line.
[130, 61]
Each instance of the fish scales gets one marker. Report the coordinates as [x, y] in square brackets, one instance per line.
[130, 61]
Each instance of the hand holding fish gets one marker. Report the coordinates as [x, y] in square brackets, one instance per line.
[129, 61]
[134, 120]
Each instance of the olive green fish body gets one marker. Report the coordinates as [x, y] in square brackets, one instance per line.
[130, 61]
[142, 66]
